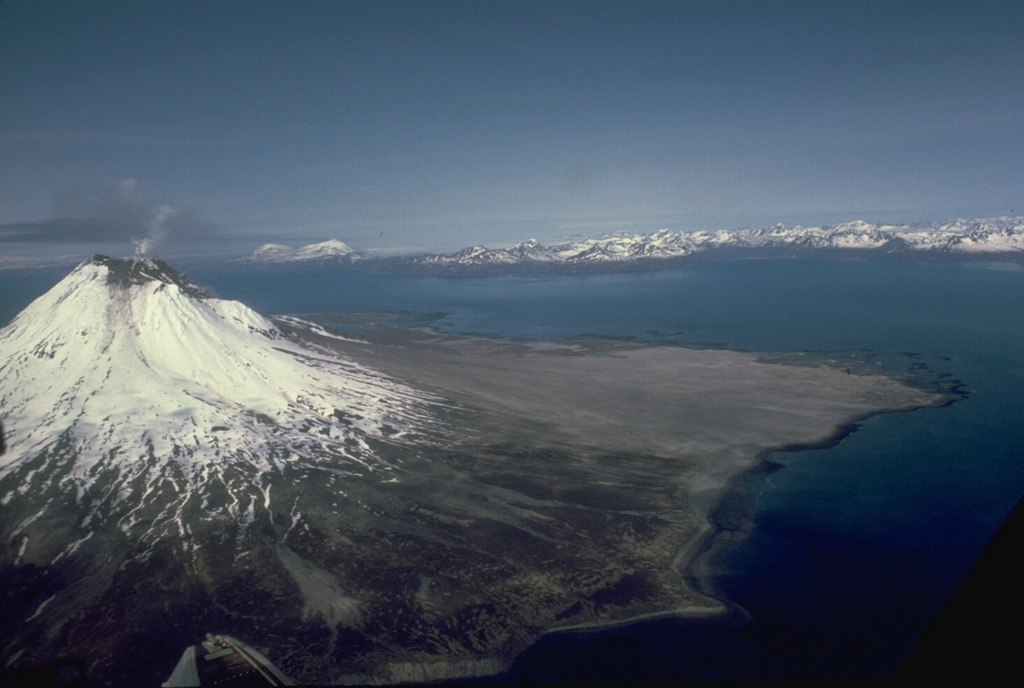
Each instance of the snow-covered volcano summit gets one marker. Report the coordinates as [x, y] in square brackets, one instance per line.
[126, 369]
[159, 441]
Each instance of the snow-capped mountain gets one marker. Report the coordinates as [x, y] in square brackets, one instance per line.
[331, 250]
[1002, 236]
[142, 416]
[132, 352]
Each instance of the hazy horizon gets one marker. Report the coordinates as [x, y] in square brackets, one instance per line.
[197, 128]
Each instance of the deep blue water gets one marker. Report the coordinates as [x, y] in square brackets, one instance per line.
[853, 547]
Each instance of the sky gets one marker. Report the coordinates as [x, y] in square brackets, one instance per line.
[209, 128]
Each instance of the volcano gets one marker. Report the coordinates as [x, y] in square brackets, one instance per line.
[143, 415]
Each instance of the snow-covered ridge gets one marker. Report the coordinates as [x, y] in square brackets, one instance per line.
[959, 237]
[127, 374]
[330, 250]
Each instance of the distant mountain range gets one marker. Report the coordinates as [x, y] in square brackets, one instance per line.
[960, 238]
[998, 237]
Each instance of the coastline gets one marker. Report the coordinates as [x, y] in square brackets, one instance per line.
[726, 531]
[427, 355]
[699, 559]
[699, 556]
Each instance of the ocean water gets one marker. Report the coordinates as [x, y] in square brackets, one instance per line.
[852, 548]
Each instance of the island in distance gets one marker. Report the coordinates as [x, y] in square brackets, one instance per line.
[395, 507]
